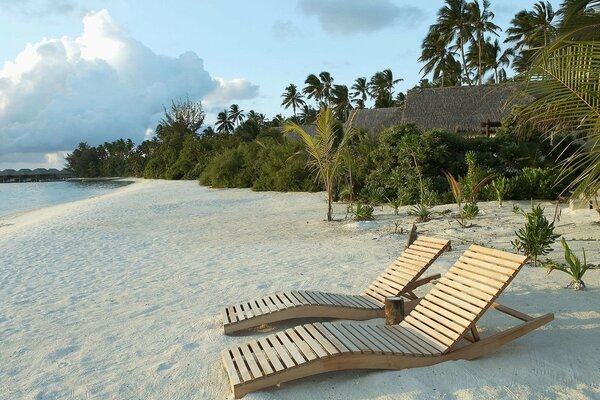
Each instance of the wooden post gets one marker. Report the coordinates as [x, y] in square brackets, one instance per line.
[412, 236]
[394, 310]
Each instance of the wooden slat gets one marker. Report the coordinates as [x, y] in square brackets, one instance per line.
[406, 266]
[478, 268]
[345, 334]
[367, 340]
[262, 358]
[432, 333]
[320, 299]
[271, 354]
[401, 346]
[333, 330]
[291, 348]
[434, 240]
[373, 303]
[371, 333]
[314, 344]
[278, 302]
[447, 293]
[445, 318]
[449, 310]
[417, 253]
[415, 338]
[232, 314]
[241, 365]
[323, 341]
[331, 338]
[249, 358]
[292, 299]
[299, 297]
[283, 298]
[494, 260]
[437, 326]
[304, 348]
[424, 243]
[516, 258]
[423, 249]
[473, 283]
[233, 372]
[496, 284]
[402, 261]
[282, 353]
[485, 297]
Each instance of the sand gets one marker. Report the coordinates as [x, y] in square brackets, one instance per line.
[118, 297]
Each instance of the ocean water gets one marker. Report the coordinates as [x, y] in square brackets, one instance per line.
[18, 197]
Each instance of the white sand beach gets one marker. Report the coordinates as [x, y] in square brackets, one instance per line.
[119, 296]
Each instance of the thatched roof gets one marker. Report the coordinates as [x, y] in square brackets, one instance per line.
[461, 108]
[375, 119]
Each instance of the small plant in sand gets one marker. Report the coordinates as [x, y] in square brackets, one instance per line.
[500, 186]
[363, 212]
[470, 210]
[395, 204]
[574, 267]
[537, 236]
[324, 150]
[423, 211]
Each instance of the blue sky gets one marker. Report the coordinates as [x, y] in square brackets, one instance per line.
[96, 71]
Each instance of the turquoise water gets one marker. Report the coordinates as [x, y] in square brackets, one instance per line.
[17, 197]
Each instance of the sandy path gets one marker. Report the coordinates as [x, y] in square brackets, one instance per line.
[119, 297]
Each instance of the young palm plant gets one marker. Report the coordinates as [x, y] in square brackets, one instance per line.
[574, 267]
[324, 152]
[470, 209]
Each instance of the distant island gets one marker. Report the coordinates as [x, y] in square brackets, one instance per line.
[36, 175]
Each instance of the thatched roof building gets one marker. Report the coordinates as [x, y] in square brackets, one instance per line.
[456, 109]
[460, 109]
[375, 120]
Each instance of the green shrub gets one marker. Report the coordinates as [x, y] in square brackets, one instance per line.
[470, 211]
[501, 187]
[537, 236]
[364, 212]
[535, 183]
[422, 212]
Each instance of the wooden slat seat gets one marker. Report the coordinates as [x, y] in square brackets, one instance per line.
[429, 334]
[399, 279]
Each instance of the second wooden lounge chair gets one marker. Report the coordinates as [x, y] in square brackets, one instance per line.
[433, 332]
[399, 279]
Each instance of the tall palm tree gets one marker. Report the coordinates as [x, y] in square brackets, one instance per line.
[324, 151]
[307, 114]
[381, 86]
[437, 56]
[292, 97]
[313, 88]
[456, 28]
[530, 31]
[342, 103]
[481, 23]
[327, 84]
[236, 115]
[224, 123]
[258, 117]
[360, 92]
[496, 59]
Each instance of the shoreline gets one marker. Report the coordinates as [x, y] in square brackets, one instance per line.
[119, 296]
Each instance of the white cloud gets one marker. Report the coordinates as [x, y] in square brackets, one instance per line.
[355, 16]
[98, 87]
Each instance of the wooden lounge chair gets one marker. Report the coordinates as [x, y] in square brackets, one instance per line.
[399, 279]
[431, 333]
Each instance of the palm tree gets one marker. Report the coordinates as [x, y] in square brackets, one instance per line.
[313, 88]
[455, 27]
[327, 84]
[530, 31]
[437, 56]
[481, 24]
[381, 86]
[307, 115]
[235, 114]
[292, 97]
[324, 151]
[258, 117]
[342, 104]
[224, 123]
[495, 59]
[564, 78]
[360, 92]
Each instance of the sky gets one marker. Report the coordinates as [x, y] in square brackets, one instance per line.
[95, 71]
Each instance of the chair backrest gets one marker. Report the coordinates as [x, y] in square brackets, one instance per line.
[449, 311]
[407, 268]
